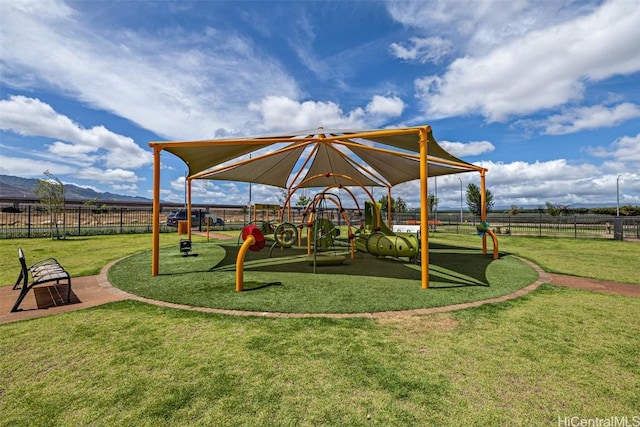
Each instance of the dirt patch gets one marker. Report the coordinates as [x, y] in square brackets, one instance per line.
[596, 285]
[418, 325]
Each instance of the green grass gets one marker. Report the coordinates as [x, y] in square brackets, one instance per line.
[551, 354]
[554, 353]
[286, 283]
[81, 256]
[594, 258]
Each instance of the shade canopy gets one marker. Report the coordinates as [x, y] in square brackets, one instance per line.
[318, 158]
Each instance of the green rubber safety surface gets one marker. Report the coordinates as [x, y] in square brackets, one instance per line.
[285, 281]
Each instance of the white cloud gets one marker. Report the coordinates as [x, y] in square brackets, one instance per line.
[532, 184]
[32, 117]
[541, 69]
[182, 78]
[206, 191]
[422, 50]
[106, 176]
[22, 166]
[385, 106]
[72, 153]
[128, 188]
[625, 149]
[478, 26]
[473, 148]
[594, 117]
[279, 113]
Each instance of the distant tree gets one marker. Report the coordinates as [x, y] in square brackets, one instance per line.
[603, 211]
[399, 205]
[384, 206]
[96, 208]
[281, 196]
[432, 204]
[552, 209]
[51, 193]
[514, 210]
[474, 199]
[556, 210]
[303, 200]
[629, 210]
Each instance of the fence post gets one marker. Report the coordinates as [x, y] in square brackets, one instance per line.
[618, 233]
[540, 224]
[575, 227]
[121, 223]
[29, 222]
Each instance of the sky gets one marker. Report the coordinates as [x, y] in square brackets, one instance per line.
[544, 94]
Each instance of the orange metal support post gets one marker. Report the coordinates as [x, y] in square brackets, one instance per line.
[483, 209]
[155, 245]
[240, 262]
[424, 215]
[188, 213]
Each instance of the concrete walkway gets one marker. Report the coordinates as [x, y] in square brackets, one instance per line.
[90, 291]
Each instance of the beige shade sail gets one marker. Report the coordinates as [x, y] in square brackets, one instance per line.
[317, 158]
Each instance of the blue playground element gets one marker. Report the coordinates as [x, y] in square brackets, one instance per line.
[482, 228]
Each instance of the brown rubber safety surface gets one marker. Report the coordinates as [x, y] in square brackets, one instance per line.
[90, 291]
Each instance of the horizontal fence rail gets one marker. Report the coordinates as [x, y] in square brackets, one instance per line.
[576, 226]
[34, 220]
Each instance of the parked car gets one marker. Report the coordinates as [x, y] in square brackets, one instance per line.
[197, 217]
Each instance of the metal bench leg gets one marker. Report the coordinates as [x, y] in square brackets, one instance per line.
[23, 293]
[19, 280]
[69, 290]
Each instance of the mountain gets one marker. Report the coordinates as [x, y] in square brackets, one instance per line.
[13, 187]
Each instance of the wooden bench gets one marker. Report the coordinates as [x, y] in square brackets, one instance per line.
[43, 271]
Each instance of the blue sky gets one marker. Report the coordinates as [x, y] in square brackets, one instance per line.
[546, 95]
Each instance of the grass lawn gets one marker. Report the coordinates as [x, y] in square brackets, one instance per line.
[552, 354]
[594, 258]
[81, 256]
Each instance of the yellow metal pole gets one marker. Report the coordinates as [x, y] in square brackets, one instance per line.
[240, 262]
[155, 243]
[310, 221]
[483, 209]
[389, 206]
[424, 214]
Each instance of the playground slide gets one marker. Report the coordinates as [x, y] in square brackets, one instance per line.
[384, 242]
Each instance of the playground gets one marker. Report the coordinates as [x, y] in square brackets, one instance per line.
[318, 267]
[324, 159]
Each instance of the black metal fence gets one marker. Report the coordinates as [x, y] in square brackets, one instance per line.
[541, 224]
[34, 220]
